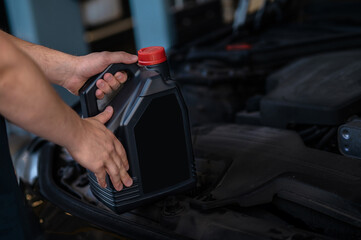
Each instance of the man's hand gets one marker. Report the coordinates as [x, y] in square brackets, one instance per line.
[26, 68]
[94, 63]
[71, 71]
[98, 150]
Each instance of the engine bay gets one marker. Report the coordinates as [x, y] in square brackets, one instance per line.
[265, 104]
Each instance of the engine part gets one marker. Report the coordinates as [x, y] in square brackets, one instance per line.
[322, 89]
[268, 163]
[349, 138]
[169, 218]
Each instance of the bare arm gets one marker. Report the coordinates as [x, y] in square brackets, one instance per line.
[70, 71]
[28, 100]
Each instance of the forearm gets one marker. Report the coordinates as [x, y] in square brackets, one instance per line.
[57, 66]
[71, 72]
[28, 100]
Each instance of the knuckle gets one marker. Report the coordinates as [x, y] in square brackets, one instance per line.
[104, 158]
[108, 156]
[120, 165]
[123, 155]
[124, 175]
[99, 166]
[117, 175]
[115, 141]
[108, 147]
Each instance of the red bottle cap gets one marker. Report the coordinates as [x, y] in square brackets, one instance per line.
[151, 56]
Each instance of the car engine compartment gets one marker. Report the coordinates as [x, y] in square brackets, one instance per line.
[265, 103]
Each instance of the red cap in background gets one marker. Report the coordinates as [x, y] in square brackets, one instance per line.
[151, 55]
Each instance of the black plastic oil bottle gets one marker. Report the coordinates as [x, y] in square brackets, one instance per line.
[151, 121]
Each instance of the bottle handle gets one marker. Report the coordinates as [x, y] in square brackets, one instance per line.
[88, 100]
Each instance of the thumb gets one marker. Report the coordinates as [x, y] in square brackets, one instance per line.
[122, 57]
[104, 116]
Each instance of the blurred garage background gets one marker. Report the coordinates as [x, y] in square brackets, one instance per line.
[82, 26]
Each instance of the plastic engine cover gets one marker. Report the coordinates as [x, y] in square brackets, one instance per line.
[323, 89]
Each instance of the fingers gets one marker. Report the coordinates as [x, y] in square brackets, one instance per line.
[103, 86]
[121, 77]
[99, 94]
[116, 171]
[118, 175]
[114, 175]
[120, 159]
[100, 175]
[104, 116]
[123, 155]
[110, 83]
[116, 164]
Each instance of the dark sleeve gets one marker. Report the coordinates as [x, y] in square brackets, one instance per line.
[13, 212]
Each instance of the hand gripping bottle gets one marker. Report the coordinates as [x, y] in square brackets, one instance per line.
[151, 121]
